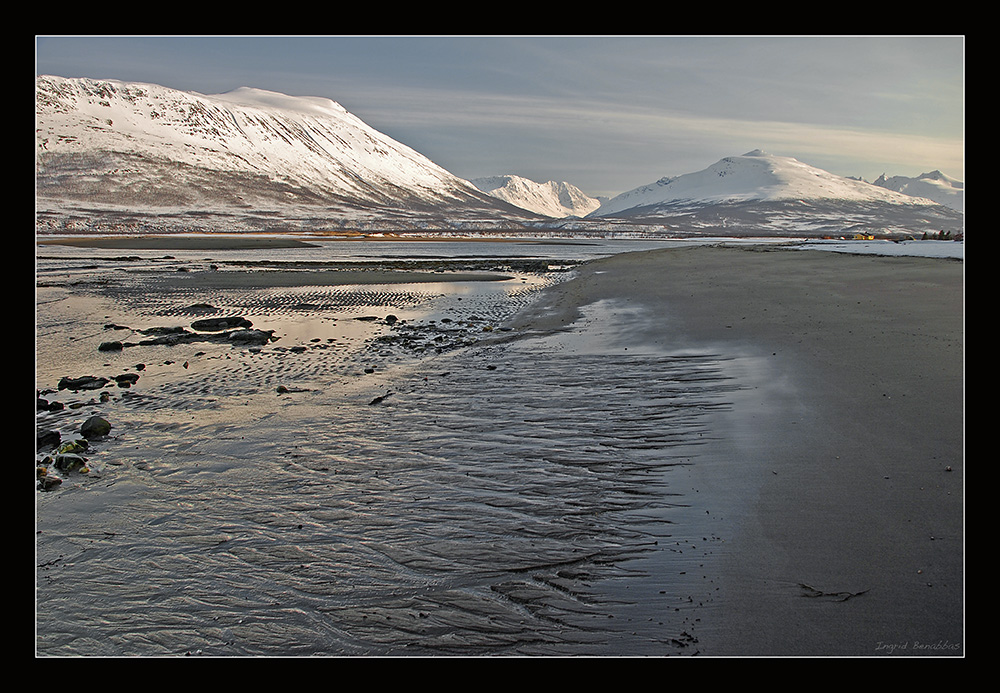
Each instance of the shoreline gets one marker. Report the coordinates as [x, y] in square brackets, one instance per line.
[825, 519]
[264, 240]
[179, 242]
[837, 478]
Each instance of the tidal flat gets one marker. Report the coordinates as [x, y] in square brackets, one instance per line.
[579, 452]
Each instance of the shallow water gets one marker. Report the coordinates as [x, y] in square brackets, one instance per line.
[401, 495]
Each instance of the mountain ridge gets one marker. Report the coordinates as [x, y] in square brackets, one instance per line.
[754, 176]
[765, 194]
[118, 144]
[551, 199]
[115, 156]
[933, 185]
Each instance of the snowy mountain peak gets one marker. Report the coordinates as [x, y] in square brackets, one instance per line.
[934, 186]
[143, 146]
[116, 156]
[263, 99]
[753, 177]
[550, 199]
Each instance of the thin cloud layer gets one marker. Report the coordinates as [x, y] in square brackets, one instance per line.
[604, 113]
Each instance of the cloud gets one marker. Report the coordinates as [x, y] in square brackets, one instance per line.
[635, 141]
[606, 113]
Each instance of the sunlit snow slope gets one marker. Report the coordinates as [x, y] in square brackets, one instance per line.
[755, 176]
[550, 199]
[760, 193]
[145, 146]
[933, 186]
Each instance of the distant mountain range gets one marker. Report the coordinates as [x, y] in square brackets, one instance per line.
[933, 186]
[551, 199]
[126, 157]
[776, 195]
[133, 155]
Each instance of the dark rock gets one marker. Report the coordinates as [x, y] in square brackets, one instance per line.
[110, 346]
[48, 439]
[47, 482]
[163, 330]
[220, 324]
[69, 462]
[87, 382]
[251, 336]
[126, 379]
[390, 319]
[95, 427]
[75, 447]
[171, 338]
[379, 399]
[45, 405]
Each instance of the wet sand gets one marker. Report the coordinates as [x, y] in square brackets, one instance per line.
[178, 242]
[711, 451]
[837, 476]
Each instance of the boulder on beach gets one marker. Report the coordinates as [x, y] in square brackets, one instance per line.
[46, 481]
[74, 447]
[127, 379]
[69, 462]
[87, 382]
[47, 438]
[259, 337]
[172, 338]
[46, 405]
[220, 324]
[110, 346]
[161, 330]
[95, 427]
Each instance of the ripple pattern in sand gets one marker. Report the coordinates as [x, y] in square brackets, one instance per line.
[296, 301]
[483, 507]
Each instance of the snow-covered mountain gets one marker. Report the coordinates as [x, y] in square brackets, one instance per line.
[933, 186]
[113, 156]
[755, 176]
[764, 193]
[108, 146]
[551, 199]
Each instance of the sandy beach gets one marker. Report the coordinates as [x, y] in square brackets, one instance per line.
[837, 476]
[713, 451]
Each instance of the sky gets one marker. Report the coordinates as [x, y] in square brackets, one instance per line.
[605, 113]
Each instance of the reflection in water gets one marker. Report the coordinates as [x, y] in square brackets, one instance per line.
[371, 486]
